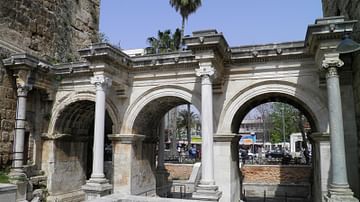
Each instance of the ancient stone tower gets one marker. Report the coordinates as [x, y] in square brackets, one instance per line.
[50, 29]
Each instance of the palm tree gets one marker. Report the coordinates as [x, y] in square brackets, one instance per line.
[185, 8]
[187, 119]
[164, 42]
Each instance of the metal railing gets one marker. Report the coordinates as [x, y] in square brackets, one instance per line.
[283, 198]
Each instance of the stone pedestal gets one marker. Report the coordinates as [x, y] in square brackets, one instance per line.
[207, 193]
[340, 193]
[21, 182]
[8, 192]
[96, 189]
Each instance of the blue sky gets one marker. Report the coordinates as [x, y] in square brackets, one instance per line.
[242, 22]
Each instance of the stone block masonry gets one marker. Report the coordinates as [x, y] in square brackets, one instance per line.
[48, 27]
[7, 120]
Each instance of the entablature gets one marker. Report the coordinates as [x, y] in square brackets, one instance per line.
[31, 72]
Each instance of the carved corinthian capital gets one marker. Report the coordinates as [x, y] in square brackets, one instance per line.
[330, 63]
[101, 82]
[22, 82]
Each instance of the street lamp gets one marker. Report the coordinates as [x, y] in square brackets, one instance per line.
[347, 45]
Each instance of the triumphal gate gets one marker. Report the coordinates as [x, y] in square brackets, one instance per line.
[112, 98]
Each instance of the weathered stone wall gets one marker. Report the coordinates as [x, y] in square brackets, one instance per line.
[48, 27]
[7, 117]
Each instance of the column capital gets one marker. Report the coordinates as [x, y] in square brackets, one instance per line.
[22, 82]
[332, 60]
[101, 82]
[205, 69]
[23, 90]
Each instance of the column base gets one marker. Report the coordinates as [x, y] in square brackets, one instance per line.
[19, 178]
[340, 194]
[96, 188]
[207, 193]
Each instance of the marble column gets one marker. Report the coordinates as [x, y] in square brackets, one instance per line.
[339, 189]
[98, 185]
[17, 174]
[207, 189]
[18, 150]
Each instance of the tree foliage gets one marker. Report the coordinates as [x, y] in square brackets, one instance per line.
[164, 42]
[185, 8]
[291, 121]
[187, 118]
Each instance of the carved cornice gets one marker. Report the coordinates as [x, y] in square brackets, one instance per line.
[106, 53]
[30, 72]
[26, 61]
[325, 29]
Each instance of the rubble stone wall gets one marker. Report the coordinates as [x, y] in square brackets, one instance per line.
[49, 27]
[7, 117]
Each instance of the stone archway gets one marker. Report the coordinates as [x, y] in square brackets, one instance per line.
[71, 146]
[312, 103]
[141, 128]
[225, 141]
[179, 95]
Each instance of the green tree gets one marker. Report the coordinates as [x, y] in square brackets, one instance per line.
[185, 121]
[164, 41]
[185, 8]
[285, 119]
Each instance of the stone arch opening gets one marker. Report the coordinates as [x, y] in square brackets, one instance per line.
[150, 122]
[73, 140]
[272, 97]
[148, 119]
[257, 177]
